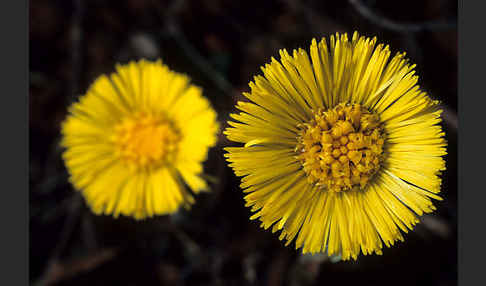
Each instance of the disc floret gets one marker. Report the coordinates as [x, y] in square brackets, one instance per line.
[341, 148]
[145, 140]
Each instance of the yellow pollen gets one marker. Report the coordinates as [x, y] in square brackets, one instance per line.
[341, 148]
[145, 140]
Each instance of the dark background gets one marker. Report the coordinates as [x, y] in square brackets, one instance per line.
[221, 45]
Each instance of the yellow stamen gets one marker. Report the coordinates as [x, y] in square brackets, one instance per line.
[341, 148]
[145, 141]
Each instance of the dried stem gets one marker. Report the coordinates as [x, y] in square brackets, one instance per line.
[66, 232]
[198, 60]
[76, 38]
[386, 23]
[450, 117]
[62, 271]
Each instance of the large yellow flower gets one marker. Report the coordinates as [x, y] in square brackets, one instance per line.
[342, 149]
[137, 138]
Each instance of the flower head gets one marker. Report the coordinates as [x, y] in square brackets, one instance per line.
[136, 138]
[342, 149]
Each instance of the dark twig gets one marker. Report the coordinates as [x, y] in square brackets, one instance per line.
[450, 117]
[315, 22]
[89, 231]
[436, 225]
[198, 60]
[69, 224]
[400, 27]
[76, 37]
[67, 230]
[62, 271]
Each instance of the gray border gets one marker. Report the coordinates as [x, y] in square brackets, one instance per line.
[471, 196]
[14, 120]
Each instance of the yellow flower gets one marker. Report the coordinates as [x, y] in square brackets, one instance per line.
[342, 148]
[137, 138]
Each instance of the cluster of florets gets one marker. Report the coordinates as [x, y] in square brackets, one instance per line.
[341, 148]
[145, 140]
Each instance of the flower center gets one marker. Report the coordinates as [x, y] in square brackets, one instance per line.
[145, 140]
[341, 148]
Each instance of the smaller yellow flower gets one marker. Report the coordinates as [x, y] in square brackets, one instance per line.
[137, 138]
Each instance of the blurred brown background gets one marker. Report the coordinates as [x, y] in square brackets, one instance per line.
[221, 45]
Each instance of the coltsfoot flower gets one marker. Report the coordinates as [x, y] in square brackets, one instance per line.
[342, 150]
[136, 138]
